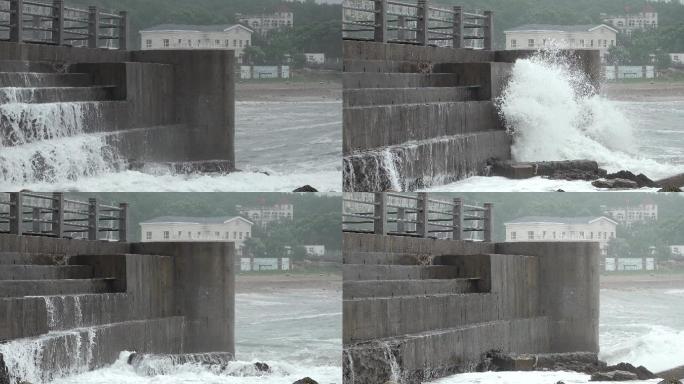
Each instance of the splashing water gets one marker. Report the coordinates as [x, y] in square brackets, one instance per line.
[553, 114]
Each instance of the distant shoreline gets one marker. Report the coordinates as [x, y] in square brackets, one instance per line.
[644, 91]
[265, 283]
[289, 91]
[643, 280]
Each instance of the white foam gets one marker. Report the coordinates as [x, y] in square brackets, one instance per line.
[535, 184]
[658, 349]
[524, 377]
[553, 116]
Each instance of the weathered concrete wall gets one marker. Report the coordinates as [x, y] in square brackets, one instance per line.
[434, 307]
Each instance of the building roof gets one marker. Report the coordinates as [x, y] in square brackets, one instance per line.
[558, 28]
[559, 220]
[194, 220]
[194, 28]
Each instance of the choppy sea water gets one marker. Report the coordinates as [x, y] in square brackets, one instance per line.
[298, 333]
[638, 326]
[280, 146]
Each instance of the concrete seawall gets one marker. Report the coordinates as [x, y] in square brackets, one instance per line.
[419, 309]
[77, 304]
[426, 115]
[156, 106]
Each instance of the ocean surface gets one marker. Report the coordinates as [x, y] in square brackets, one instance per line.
[638, 326]
[280, 146]
[551, 117]
[298, 333]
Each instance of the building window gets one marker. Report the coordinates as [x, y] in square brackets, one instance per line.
[148, 43]
[234, 43]
[530, 43]
[217, 235]
[148, 235]
[199, 235]
[234, 235]
[513, 235]
[189, 43]
[180, 42]
[240, 235]
[530, 235]
[180, 234]
[218, 42]
[581, 235]
[246, 235]
[514, 43]
[240, 43]
[592, 43]
[227, 235]
[166, 43]
[582, 43]
[246, 43]
[227, 43]
[189, 235]
[166, 235]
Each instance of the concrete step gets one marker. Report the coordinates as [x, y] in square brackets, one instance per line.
[30, 66]
[387, 258]
[84, 349]
[56, 94]
[425, 356]
[386, 125]
[398, 272]
[45, 272]
[357, 80]
[394, 288]
[20, 258]
[390, 96]
[36, 79]
[20, 288]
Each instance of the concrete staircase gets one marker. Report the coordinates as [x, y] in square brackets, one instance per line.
[64, 315]
[410, 317]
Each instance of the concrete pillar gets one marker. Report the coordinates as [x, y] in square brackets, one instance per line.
[123, 31]
[58, 214]
[489, 31]
[488, 221]
[204, 276]
[458, 219]
[401, 216]
[35, 221]
[93, 219]
[568, 291]
[380, 34]
[58, 22]
[16, 21]
[401, 24]
[16, 213]
[423, 35]
[123, 222]
[380, 214]
[422, 228]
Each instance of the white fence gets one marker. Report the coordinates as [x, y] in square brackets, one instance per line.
[264, 264]
[616, 264]
[264, 72]
[615, 72]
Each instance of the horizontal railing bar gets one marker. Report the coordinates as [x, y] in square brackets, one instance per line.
[360, 216]
[394, 2]
[359, 201]
[360, 9]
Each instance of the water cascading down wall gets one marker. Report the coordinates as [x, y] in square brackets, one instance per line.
[69, 306]
[419, 309]
[420, 116]
[69, 112]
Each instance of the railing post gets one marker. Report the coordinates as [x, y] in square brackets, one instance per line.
[58, 214]
[16, 213]
[488, 217]
[401, 24]
[93, 219]
[489, 31]
[123, 31]
[380, 214]
[422, 228]
[401, 216]
[58, 22]
[93, 27]
[458, 27]
[380, 35]
[16, 21]
[35, 220]
[123, 222]
[423, 34]
[458, 219]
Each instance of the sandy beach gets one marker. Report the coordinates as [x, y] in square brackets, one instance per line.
[642, 281]
[651, 91]
[322, 90]
[265, 283]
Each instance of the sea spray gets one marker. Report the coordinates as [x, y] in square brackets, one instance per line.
[553, 113]
[391, 359]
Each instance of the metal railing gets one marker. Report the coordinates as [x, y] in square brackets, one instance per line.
[51, 22]
[416, 215]
[52, 215]
[391, 21]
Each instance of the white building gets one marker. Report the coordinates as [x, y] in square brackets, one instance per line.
[315, 58]
[632, 20]
[666, 1]
[268, 23]
[267, 214]
[677, 58]
[173, 229]
[176, 36]
[541, 228]
[537, 36]
[677, 250]
[628, 215]
[315, 250]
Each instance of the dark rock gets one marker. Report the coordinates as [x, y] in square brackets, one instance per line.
[560, 170]
[641, 179]
[670, 381]
[306, 380]
[614, 376]
[306, 188]
[262, 367]
[615, 184]
[676, 181]
[560, 190]
[641, 371]
[670, 189]
[585, 362]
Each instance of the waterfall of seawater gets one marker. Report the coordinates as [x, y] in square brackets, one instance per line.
[553, 114]
[395, 370]
[47, 143]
